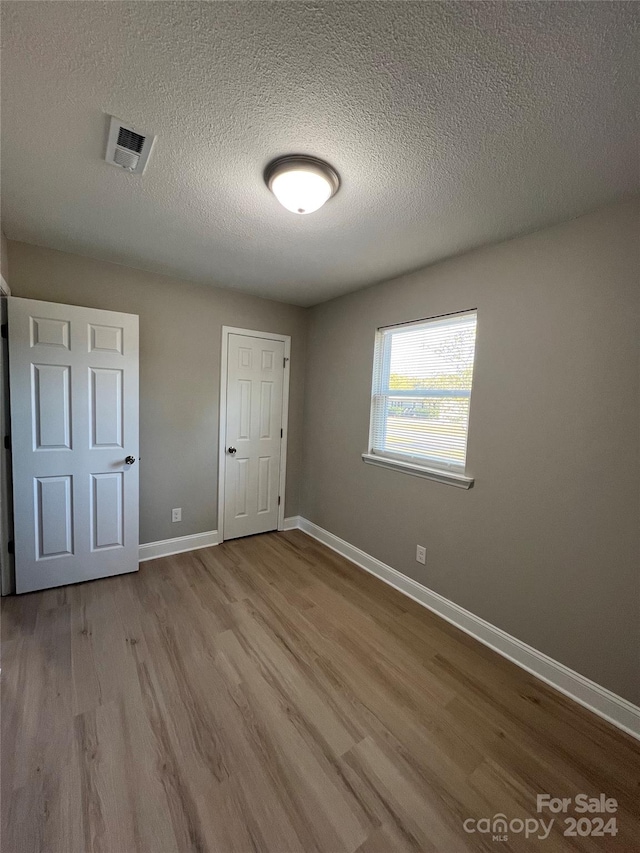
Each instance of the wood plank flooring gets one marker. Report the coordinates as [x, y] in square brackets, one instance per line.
[267, 695]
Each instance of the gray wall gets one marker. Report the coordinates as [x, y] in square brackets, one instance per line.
[547, 543]
[180, 340]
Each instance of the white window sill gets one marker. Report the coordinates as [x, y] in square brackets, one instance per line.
[448, 477]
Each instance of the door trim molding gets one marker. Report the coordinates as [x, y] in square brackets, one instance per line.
[591, 695]
[7, 578]
[222, 419]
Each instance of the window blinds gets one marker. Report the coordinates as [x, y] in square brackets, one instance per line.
[422, 379]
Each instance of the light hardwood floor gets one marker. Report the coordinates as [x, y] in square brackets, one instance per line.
[267, 695]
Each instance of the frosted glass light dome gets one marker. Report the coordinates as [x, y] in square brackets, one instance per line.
[301, 184]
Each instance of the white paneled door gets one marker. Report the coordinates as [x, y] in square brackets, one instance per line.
[74, 435]
[255, 383]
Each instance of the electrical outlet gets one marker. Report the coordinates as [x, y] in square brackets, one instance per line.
[176, 514]
[421, 554]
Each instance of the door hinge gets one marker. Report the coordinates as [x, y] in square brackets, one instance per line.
[284, 361]
[5, 330]
[7, 442]
[281, 433]
[278, 500]
[11, 546]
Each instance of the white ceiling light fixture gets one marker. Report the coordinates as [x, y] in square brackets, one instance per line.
[301, 184]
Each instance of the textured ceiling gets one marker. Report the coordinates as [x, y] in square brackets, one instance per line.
[451, 125]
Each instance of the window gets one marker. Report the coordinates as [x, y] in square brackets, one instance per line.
[422, 377]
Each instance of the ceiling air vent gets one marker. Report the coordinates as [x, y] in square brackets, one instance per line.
[128, 148]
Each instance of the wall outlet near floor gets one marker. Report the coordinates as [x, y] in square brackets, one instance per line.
[176, 514]
[421, 554]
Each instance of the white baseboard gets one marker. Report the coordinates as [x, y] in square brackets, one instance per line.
[167, 547]
[596, 698]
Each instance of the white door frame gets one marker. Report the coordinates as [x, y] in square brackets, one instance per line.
[7, 585]
[222, 450]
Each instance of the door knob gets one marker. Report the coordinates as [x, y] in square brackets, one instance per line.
[130, 460]
[231, 450]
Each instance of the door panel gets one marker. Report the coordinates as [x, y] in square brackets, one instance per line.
[255, 382]
[266, 410]
[242, 485]
[54, 516]
[107, 521]
[106, 407]
[49, 333]
[264, 483]
[74, 419]
[244, 415]
[105, 339]
[51, 406]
